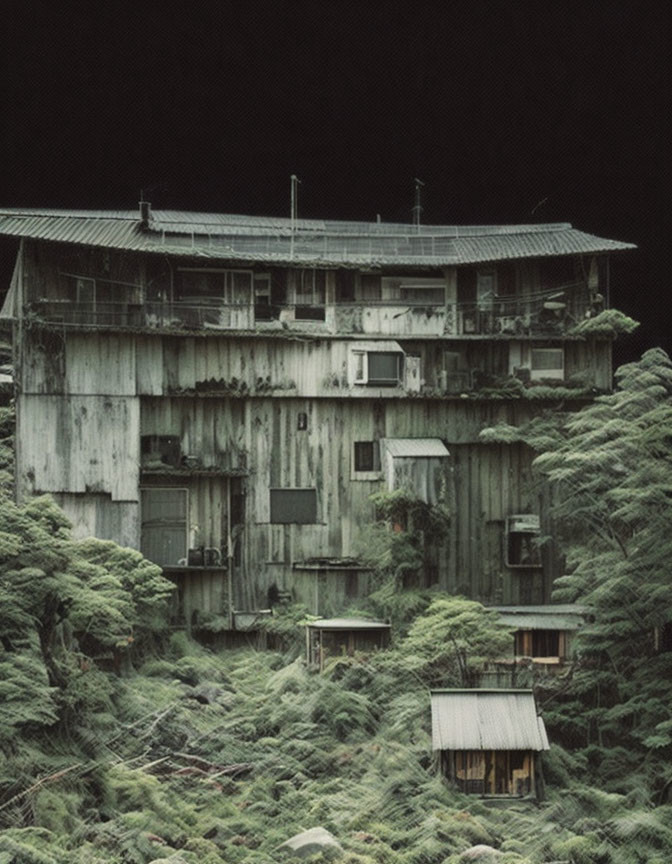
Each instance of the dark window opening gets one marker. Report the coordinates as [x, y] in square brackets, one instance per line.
[293, 506]
[370, 287]
[302, 421]
[522, 536]
[538, 643]
[367, 456]
[346, 281]
[384, 368]
[506, 280]
[157, 450]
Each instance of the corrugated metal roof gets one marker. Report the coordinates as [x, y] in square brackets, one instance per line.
[304, 242]
[541, 622]
[550, 617]
[414, 447]
[348, 624]
[486, 720]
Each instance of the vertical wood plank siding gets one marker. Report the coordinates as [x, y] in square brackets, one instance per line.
[234, 402]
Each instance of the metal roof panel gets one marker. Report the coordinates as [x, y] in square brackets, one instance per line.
[304, 242]
[414, 447]
[486, 720]
[347, 624]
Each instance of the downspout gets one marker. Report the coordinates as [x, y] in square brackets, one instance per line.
[229, 553]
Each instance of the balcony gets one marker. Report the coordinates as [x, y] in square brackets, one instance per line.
[545, 313]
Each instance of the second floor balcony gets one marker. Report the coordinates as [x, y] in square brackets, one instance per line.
[552, 312]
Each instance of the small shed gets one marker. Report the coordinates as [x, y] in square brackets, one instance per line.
[543, 633]
[336, 637]
[417, 465]
[487, 741]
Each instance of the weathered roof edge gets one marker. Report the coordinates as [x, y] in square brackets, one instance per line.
[305, 242]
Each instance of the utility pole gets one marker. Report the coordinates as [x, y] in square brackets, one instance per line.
[417, 207]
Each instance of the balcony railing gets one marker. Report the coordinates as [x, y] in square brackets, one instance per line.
[544, 313]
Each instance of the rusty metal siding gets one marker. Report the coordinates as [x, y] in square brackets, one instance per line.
[486, 720]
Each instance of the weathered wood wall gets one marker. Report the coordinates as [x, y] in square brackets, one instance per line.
[234, 403]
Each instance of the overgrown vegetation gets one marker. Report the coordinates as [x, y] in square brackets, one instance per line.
[123, 743]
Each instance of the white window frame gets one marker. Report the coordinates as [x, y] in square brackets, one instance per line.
[360, 367]
[555, 372]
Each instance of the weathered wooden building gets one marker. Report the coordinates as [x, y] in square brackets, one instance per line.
[341, 637]
[225, 393]
[488, 741]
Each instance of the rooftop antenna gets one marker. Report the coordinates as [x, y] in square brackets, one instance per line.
[294, 206]
[294, 197]
[417, 207]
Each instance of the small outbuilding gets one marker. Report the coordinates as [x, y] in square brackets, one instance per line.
[336, 637]
[543, 634]
[488, 741]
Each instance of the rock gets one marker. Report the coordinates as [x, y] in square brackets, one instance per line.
[480, 854]
[309, 842]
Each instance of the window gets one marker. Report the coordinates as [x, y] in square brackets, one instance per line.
[522, 549]
[263, 310]
[537, 643]
[486, 289]
[378, 368]
[384, 368]
[164, 525]
[158, 450]
[293, 506]
[547, 363]
[212, 286]
[310, 295]
[423, 292]
[366, 456]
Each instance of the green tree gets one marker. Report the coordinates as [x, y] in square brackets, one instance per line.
[450, 643]
[612, 471]
[401, 547]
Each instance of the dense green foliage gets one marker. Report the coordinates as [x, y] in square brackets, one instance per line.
[125, 745]
[612, 468]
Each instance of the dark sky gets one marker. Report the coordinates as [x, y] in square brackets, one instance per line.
[509, 111]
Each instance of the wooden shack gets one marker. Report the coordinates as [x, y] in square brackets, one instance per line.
[543, 634]
[327, 638]
[488, 741]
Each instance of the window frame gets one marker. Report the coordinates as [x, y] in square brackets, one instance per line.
[227, 285]
[143, 522]
[317, 294]
[374, 473]
[313, 489]
[360, 367]
[556, 372]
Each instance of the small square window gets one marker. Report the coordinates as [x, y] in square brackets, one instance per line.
[367, 456]
[547, 363]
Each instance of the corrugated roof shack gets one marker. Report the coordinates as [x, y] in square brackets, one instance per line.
[337, 637]
[488, 740]
[543, 634]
